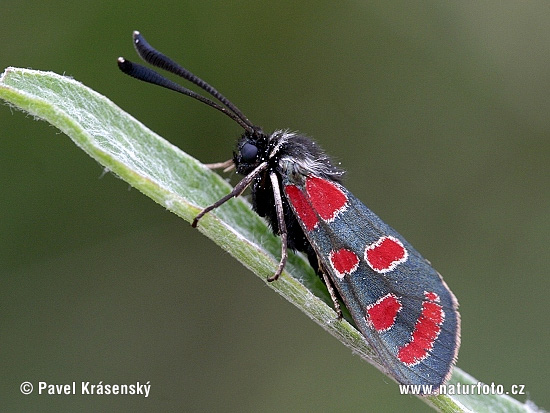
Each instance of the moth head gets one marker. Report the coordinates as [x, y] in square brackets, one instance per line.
[251, 150]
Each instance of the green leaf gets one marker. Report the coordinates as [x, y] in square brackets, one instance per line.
[183, 185]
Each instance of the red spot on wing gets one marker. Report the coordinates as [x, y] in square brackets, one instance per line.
[343, 261]
[302, 206]
[431, 296]
[385, 254]
[326, 198]
[382, 314]
[426, 330]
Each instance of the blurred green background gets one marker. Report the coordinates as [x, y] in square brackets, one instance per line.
[438, 110]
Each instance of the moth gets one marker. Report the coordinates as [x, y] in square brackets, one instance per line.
[399, 303]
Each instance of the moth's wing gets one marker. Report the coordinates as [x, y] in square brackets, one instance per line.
[398, 301]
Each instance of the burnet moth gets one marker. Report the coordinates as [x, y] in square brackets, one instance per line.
[397, 300]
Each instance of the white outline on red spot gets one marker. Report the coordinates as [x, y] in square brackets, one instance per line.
[436, 301]
[335, 212]
[395, 263]
[369, 322]
[338, 273]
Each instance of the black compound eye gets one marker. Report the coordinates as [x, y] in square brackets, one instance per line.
[249, 152]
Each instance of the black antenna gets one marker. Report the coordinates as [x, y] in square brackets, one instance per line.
[154, 57]
[150, 76]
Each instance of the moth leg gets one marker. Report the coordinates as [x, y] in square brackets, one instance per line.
[239, 189]
[282, 225]
[227, 165]
[331, 291]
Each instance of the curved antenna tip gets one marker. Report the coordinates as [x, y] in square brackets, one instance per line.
[124, 65]
[155, 58]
